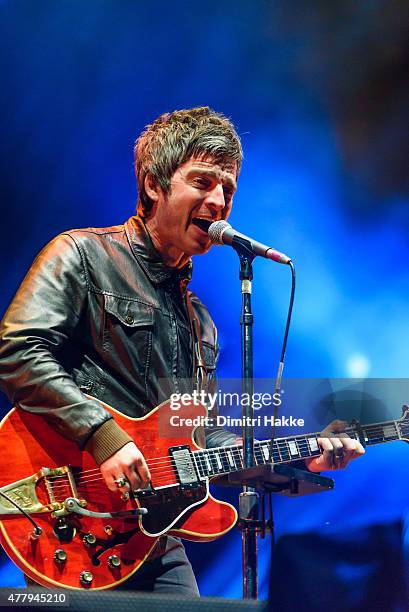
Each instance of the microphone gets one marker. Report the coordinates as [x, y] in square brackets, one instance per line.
[221, 232]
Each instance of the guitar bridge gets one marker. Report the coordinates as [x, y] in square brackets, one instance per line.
[23, 492]
[184, 466]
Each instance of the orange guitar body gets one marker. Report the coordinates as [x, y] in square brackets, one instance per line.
[97, 553]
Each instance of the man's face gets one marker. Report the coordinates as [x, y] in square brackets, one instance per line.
[199, 189]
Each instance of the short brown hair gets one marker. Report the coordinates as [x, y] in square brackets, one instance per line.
[174, 138]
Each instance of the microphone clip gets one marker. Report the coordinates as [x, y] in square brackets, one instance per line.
[246, 256]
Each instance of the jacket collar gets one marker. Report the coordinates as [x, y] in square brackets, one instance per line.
[149, 258]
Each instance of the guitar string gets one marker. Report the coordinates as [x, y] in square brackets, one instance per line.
[166, 464]
[277, 443]
[163, 473]
[158, 478]
[202, 463]
[156, 461]
[234, 450]
[96, 484]
[203, 459]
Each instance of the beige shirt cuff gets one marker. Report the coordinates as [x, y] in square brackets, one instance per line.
[106, 441]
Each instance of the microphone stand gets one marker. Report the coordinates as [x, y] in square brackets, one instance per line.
[269, 478]
[249, 522]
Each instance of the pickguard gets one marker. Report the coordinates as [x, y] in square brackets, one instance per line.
[165, 507]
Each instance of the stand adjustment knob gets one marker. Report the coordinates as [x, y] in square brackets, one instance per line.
[86, 577]
[60, 556]
[114, 562]
[89, 539]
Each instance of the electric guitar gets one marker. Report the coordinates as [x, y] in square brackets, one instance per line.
[91, 538]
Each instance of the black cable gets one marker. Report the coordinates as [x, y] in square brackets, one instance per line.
[38, 530]
[277, 390]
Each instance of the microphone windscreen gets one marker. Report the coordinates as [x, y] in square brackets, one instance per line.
[215, 231]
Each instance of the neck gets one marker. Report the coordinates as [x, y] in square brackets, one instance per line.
[171, 255]
[226, 459]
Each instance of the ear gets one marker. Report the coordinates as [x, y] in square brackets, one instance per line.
[152, 188]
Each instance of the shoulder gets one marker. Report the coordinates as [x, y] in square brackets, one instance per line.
[82, 249]
[67, 239]
[97, 241]
[95, 234]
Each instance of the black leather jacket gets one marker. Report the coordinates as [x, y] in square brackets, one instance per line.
[99, 313]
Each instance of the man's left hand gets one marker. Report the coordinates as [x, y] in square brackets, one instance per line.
[338, 449]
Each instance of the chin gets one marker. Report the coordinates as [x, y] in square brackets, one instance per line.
[201, 249]
[197, 247]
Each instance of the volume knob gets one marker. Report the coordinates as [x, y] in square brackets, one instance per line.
[89, 539]
[114, 562]
[60, 556]
[86, 577]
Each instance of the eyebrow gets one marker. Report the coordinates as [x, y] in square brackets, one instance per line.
[213, 173]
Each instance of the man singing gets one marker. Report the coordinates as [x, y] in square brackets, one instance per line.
[106, 312]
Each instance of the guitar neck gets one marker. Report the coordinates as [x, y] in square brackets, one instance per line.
[227, 459]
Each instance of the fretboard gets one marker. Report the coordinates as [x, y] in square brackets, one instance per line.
[226, 459]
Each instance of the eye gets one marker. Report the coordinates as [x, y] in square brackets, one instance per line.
[202, 182]
[228, 193]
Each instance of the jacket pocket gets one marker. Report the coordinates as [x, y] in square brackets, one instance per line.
[209, 355]
[128, 331]
[129, 312]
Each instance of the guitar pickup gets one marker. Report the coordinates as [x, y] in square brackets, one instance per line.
[184, 466]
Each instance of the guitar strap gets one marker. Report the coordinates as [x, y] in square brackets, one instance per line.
[200, 377]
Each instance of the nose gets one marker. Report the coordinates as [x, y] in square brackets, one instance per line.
[215, 201]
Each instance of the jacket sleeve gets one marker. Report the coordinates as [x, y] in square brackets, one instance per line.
[41, 319]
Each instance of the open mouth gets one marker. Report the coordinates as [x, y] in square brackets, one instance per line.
[202, 224]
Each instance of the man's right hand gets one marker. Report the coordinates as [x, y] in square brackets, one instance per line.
[128, 463]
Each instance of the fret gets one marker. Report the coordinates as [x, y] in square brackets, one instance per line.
[230, 458]
[313, 445]
[383, 432]
[303, 448]
[198, 459]
[276, 448]
[258, 455]
[213, 461]
[266, 452]
[224, 459]
[276, 456]
[308, 447]
[284, 450]
[218, 460]
[293, 448]
[208, 464]
[238, 457]
[404, 430]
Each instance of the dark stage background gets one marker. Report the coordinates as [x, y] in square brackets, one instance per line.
[320, 94]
